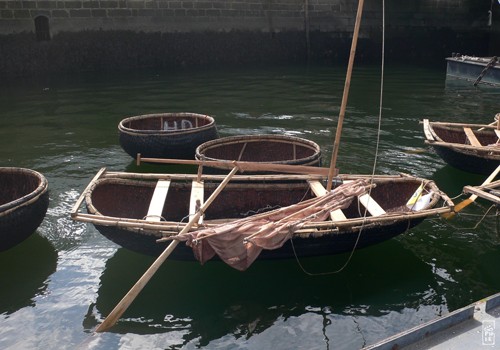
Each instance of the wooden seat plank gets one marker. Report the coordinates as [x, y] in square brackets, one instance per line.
[371, 205]
[158, 200]
[196, 201]
[497, 132]
[471, 137]
[319, 190]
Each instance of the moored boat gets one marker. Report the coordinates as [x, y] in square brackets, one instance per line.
[120, 206]
[24, 200]
[168, 135]
[479, 70]
[274, 149]
[469, 147]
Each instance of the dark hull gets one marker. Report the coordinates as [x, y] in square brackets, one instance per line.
[275, 149]
[334, 243]
[19, 218]
[125, 221]
[144, 135]
[466, 161]
[471, 69]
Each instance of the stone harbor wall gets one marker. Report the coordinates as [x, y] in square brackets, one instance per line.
[79, 35]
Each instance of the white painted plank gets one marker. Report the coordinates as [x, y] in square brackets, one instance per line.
[319, 190]
[196, 200]
[158, 200]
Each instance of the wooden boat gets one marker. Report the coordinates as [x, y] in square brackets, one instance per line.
[469, 147]
[169, 135]
[124, 207]
[24, 200]
[274, 149]
[479, 70]
[327, 224]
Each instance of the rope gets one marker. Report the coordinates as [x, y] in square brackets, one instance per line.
[476, 225]
[374, 167]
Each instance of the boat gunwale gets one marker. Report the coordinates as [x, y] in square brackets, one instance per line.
[492, 151]
[259, 138]
[151, 132]
[329, 226]
[33, 196]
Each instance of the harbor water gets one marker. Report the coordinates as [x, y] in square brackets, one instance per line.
[58, 285]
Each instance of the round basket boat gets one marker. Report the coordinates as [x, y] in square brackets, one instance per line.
[166, 135]
[24, 199]
[276, 149]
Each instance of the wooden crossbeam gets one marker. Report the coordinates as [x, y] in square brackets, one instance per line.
[471, 137]
[319, 190]
[158, 200]
[196, 200]
[427, 131]
[497, 132]
[371, 205]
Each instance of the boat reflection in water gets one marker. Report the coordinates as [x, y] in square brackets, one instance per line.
[201, 304]
[24, 279]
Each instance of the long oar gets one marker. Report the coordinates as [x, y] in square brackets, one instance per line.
[472, 198]
[242, 165]
[333, 162]
[139, 285]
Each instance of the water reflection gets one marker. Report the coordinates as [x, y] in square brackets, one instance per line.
[66, 128]
[24, 272]
[207, 302]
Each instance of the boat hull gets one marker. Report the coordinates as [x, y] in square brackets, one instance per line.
[470, 68]
[273, 149]
[451, 143]
[125, 221]
[166, 135]
[25, 199]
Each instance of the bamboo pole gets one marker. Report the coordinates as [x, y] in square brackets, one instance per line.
[333, 171]
[243, 166]
[122, 306]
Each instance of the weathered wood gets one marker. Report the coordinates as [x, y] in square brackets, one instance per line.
[471, 137]
[480, 193]
[158, 200]
[123, 305]
[319, 190]
[243, 166]
[196, 200]
[473, 197]
[427, 131]
[333, 162]
[463, 146]
[79, 202]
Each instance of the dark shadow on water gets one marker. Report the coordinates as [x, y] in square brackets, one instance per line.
[208, 302]
[24, 272]
[452, 180]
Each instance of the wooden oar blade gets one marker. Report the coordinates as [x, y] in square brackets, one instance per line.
[122, 306]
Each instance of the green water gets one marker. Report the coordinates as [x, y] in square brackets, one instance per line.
[59, 284]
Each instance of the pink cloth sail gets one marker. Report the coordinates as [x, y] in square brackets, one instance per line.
[239, 242]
